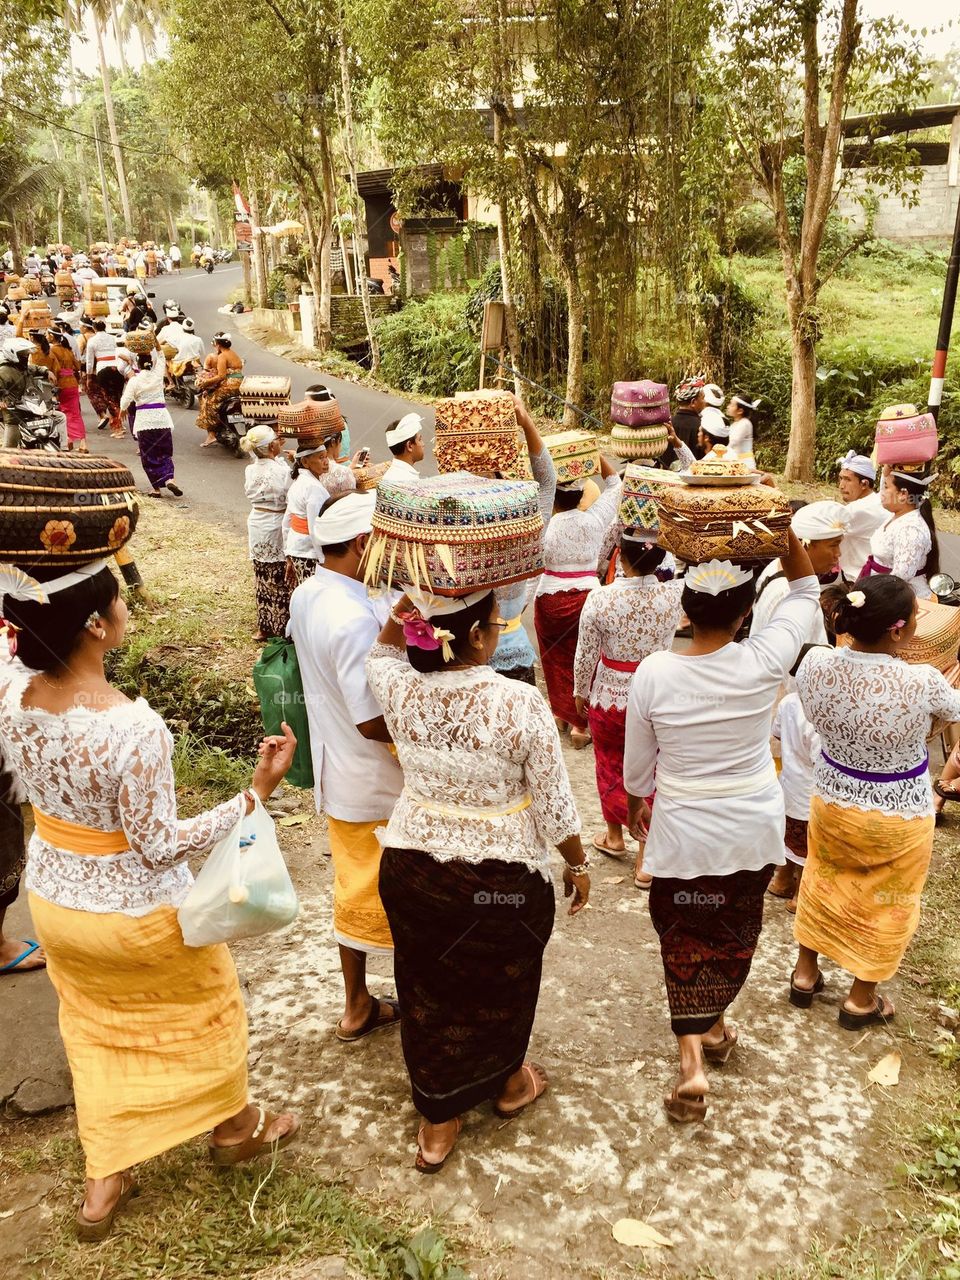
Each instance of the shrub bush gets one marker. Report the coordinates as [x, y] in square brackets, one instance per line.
[754, 230]
[427, 347]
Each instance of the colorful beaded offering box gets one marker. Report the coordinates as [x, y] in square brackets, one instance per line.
[638, 496]
[719, 462]
[640, 404]
[309, 417]
[453, 534]
[639, 442]
[746, 523]
[58, 509]
[575, 455]
[261, 396]
[477, 432]
[904, 434]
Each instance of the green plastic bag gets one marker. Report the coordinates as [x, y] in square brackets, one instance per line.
[276, 677]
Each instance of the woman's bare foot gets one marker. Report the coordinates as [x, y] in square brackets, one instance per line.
[10, 948]
[580, 738]
[523, 1087]
[232, 1132]
[610, 841]
[435, 1142]
[101, 1195]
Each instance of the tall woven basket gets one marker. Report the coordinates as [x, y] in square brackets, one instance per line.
[57, 509]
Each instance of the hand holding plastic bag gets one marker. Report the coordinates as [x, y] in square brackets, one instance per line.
[243, 888]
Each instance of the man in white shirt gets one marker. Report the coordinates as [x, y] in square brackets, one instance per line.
[819, 526]
[175, 258]
[864, 513]
[405, 442]
[188, 345]
[333, 624]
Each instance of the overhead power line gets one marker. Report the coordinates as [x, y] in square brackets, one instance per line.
[90, 136]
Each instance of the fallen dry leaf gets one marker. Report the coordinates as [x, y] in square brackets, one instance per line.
[614, 879]
[887, 1070]
[639, 1235]
[293, 820]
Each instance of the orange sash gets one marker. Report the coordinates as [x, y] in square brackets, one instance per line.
[85, 841]
[299, 524]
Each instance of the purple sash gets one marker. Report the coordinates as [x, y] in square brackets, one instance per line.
[864, 775]
[161, 405]
[872, 566]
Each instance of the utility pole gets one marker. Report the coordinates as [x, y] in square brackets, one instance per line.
[107, 215]
[939, 369]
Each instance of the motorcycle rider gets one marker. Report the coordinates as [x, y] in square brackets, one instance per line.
[19, 383]
[188, 349]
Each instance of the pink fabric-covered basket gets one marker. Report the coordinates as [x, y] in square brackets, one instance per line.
[640, 404]
[904, 435]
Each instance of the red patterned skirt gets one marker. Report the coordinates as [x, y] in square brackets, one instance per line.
[795, 838]
[708, 929]
[557, 621]
[608, 727]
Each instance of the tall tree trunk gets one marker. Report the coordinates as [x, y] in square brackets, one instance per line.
[107, 214]
[118, 37]
[143, 46]
[16, 246]
[81, 164]
[506, 257]
[576, 312]
[803, 407]
[58, 154]
[171, 223]
[259, 261]
[318, 243]
[114, 136]
[355, 202]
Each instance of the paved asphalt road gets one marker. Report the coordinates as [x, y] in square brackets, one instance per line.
[212, 480]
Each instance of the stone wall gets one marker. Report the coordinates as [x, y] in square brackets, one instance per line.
[932, 219]
[346, 318]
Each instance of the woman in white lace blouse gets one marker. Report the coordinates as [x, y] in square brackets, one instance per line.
[155, 1032]
[265, 484]
[870, 836]
[465, 875]
[620, 624]
[906, 544]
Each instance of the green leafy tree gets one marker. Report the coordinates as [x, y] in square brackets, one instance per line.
[793, 71]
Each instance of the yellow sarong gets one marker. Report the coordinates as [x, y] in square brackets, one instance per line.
[155, 1031]
[859, 901]
[359, 920]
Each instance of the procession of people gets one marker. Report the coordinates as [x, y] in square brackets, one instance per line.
[756, 734]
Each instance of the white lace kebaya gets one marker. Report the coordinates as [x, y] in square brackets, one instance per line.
[873, 713]
[111, 770]
[483, 771]
[624, 621]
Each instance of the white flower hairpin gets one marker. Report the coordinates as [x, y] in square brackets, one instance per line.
[716, 576]
[856, 599]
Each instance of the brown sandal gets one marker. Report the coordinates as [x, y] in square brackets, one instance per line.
[685, 1110]
[90, 1232]
[540, 1083]
[422, 1164]
[255, 1145]
[720, 1053]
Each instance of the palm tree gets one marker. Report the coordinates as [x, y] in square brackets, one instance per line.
[142, 16]
[24, 184]
[101, 12]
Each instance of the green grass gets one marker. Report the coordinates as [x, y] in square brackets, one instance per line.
[192, 1220]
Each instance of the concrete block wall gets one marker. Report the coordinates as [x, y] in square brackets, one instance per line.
[931, 219]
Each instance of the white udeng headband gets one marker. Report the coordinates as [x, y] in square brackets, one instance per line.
[19, 585]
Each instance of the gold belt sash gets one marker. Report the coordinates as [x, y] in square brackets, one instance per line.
[458, 811]
[75, 838]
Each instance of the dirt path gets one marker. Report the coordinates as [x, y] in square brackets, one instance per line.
[793, 1146]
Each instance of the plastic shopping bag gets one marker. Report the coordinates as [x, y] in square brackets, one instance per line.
[243, 889]
[276, 678]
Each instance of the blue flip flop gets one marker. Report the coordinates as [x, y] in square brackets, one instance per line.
[25, 955]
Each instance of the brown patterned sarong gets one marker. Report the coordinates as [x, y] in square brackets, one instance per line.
[468, 952]
[708, 930]
[273, 597]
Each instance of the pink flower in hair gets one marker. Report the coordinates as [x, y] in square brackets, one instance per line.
[420, 633]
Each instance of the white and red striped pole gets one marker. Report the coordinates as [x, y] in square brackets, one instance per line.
[939, 369]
